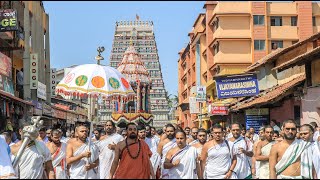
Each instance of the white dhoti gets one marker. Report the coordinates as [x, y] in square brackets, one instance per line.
[106, 155]
[218, 162]
[155, 158]
[77, 169]
[264, 165]
[316, 158]
[243, 167]
[59, 162]
[187, 169]
[165, 149]
[6, 169]
[30, 165]
[294, 151]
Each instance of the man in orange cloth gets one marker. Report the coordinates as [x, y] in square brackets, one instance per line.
[134, 156]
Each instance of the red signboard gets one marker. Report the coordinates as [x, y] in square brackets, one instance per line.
[5, 65]
[219, 110]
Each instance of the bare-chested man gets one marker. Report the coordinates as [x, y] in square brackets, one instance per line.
[193, 139]
[291, 158]
[82, 161]
[202, 139]
[256, 164]
[165, 145]
[263, 152]
[58, 154]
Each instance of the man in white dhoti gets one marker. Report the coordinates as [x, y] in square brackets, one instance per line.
[316, 158]
[291, 158]
[107, 146]
[82, 161]
[263, 152]
[35, 161]
[316, 134]
[58, 153]
[193, 139]
[243, 151]
[202, 139]
[256, 164]
[217, 158]
[153, 142]
[182, 160]
[164, 146]
[6, 169]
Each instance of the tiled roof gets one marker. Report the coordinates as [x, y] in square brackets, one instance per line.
[269, 94]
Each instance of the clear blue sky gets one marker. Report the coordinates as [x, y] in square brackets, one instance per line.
[78, 28]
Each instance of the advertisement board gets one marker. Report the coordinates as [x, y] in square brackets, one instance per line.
[5, 65]
[8, 20]
[46, 109]
[193, 105]
[34, 71]
[6, 84]
[42, 91]
[53, 81]
[219, 110]
[237, 86]
[201, 94]
[257, 117]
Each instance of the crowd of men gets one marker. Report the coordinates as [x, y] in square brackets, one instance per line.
[141, 152]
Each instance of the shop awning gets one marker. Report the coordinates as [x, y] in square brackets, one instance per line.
[269, 95]
[15, 98]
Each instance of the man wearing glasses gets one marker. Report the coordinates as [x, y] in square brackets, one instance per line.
[291, 158]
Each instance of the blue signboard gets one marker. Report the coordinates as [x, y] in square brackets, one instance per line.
[256, 118]
[237, 86]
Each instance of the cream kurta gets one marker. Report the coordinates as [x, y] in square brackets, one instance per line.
[264, 165]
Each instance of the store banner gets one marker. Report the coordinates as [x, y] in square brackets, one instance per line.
[237, 86]
[37, 104]
[34, 71]
[59, 114]
[8, 20]
[5, 65]
[47, 110]
[219, 110]
[42, 91]
[53, 81]
[193, 106]
[257, 117]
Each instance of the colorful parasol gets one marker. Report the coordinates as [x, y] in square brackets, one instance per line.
[94, 80]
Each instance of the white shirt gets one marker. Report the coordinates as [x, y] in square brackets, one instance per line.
[316, 135]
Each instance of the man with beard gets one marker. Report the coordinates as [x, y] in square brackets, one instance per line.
[107, 146]
[263, 152]
[154, 133]
[81, 159]
[291, 158]
[97, 135]
[165, 145]
[256, 164]
[35, 161]
[187, 131]
[243, 151]
[153, 142]
[202, 139]
[134, 156]
[217, 158]
[182, 160]
[193, 139]
[58, 154]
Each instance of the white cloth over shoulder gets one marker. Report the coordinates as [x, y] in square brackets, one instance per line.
[59, 161]
[6, 169]
[31, 162]
[187, 169]
[264, 165]
[218, 162]
[243, 167]
[155, 158]
[294, 151]
[165, 149]
[106, 155]
[77, 169]
[316, 158]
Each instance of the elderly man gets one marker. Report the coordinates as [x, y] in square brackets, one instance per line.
[6, 169]
[291, 158]
[182, 160]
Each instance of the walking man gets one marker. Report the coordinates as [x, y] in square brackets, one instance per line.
[134, 156]
[291, 158]
[202, 139]
[193, 139]
[217, 159]
[182, 160]
[153, 142]
[58, 154]
[81, 159]
[107, 145]
[263, 152]
[6, 168]
[243, 151]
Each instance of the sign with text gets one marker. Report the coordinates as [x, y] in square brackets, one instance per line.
[34, 71]
[42, 91]
[237, 86]
[201, 94]
[257, 117]
[5, 65]
[219, 110]
[53, 81]
[193, 106]
[8, 20]
[47, 110]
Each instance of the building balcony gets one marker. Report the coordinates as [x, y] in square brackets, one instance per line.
[283, 32]
[277, 8]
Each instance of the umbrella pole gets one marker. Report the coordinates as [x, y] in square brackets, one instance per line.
[92, 107]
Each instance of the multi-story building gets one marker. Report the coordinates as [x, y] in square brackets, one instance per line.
[142, 35]
[230, 36]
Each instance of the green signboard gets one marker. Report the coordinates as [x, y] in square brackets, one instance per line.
[8, 20]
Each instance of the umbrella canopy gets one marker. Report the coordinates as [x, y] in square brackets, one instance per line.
[94, 80]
